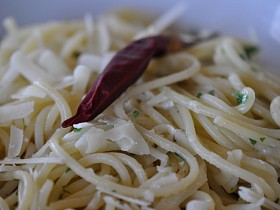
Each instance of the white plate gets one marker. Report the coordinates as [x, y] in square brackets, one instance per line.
[250, 19]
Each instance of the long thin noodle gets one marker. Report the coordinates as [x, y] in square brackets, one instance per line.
[199, 130]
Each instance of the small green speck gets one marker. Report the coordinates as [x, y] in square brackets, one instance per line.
[199, 94]
[114, 191]
[253, 141]
[262, 139]
[178, 155]
[243, 56]
[135, 114]
[68, 169]
[232, 189]
[250, 50]
[277, 201]
[77, 130]
[241, 98]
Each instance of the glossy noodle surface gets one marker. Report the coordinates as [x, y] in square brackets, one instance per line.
[198, 130]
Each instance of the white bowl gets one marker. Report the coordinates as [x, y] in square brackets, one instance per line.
[256, 20]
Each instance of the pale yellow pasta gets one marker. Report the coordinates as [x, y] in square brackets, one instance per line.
[199, 130]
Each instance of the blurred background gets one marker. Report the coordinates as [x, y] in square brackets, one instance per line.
[255, 20]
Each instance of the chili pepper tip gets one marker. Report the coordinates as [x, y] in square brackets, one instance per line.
[76, 119]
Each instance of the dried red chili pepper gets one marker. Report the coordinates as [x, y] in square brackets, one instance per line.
[122, 71]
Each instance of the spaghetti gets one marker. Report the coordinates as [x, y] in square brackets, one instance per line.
[199, 130]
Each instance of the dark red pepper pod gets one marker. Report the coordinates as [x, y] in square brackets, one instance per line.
[123, 70]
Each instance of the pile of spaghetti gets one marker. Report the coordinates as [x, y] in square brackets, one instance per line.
[199, 130]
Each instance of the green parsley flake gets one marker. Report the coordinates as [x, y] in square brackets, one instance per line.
[262, 139]
[243, 56]
[178, 155]
[277, 200]
[253, 141]
[250, 50]
[241, 98]
[135, 114]
[232, 189]
[67, 170]
[77, 129]
[199, 94]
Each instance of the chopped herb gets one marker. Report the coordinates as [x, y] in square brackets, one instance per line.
[212, 92]
[76, 54]
[135, 114]
[77, 129]
[277, 201]
[67, 170]
[114, 191]
[243, 56]
[17, 193]
[178, 155]
[262, 139]
[250, 50]
[241, 98]
[253, 141]
[199, 94]
[232, 189]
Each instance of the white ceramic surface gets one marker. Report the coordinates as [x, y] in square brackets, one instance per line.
[240, 18]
